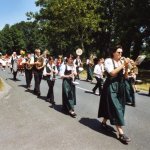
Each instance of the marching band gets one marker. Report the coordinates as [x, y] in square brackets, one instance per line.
[115, 78]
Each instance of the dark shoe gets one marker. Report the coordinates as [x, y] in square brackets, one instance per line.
[47, 100]
[93, 91]
[28, 87]
[73, 114]
[133, 105]
[123, 138]
[52, 101]
[34, 91]
[38, 94]
[53, 105]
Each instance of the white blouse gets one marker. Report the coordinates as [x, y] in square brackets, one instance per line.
[63, 68]
[109, 66]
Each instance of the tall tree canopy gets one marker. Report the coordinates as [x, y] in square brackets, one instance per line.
[93, 25]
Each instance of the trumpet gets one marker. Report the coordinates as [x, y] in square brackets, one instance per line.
[28, 65]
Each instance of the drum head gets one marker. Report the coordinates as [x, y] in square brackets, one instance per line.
[79, 51]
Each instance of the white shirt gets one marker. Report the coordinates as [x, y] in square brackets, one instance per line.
[109, 66]
[63, 68]
[3, 62]
[77, 62]
[50, 67]
[98, 70]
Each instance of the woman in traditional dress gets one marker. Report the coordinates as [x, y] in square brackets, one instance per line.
[14, 62]
[68, 73]
[50, 72]
[113, 98]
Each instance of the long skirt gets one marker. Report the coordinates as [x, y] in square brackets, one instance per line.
[112, 101]
[68, 95]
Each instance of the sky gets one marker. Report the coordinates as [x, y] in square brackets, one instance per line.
[14, 11]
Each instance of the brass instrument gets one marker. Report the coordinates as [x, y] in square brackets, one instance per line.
[28, 65]
[40, 60]
[132, 66]
[40, 63]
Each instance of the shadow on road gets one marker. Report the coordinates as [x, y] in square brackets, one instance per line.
[41, 97]
[95, 125]
[91, 92]
[23, 86]
[59, 109]
[13, 79]
[144, 94]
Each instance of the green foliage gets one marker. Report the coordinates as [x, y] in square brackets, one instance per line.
[69, 23]
[62, 26]
[23, 35]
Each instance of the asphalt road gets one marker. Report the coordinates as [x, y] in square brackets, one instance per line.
[29, 123]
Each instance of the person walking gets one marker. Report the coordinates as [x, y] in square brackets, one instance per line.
[14, 63]
[68, 73]
[38, 65]
[77, 62]
[28, 70]
[89, 68]
[98, 73]
[49, 73]
[113, 98]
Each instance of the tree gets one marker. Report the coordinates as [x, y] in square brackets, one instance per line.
[66, 22]
[6, 38]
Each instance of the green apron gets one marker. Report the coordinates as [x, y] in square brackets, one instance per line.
[68, 93]
[112, 101]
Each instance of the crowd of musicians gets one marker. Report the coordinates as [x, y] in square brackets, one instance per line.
[115, 80]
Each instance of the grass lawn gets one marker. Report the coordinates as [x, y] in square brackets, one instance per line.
[143, 86]
[144, 75]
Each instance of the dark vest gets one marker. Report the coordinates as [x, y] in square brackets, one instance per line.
[47, 77]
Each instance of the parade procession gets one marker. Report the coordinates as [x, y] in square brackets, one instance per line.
[114, 76]
[74, 75]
